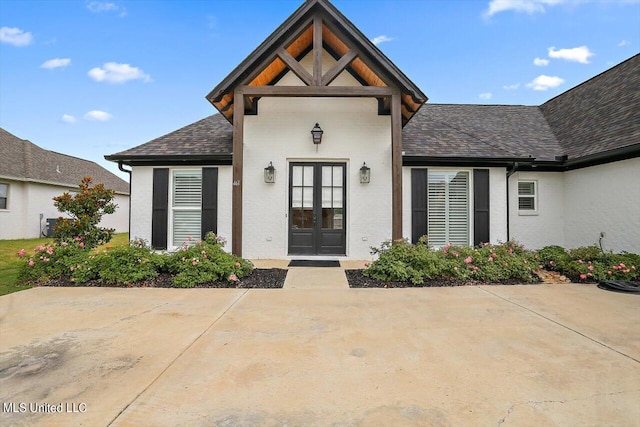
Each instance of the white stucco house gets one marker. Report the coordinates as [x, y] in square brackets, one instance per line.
[322, 148]
[30, 177]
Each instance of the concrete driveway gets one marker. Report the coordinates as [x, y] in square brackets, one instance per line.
[547, 355]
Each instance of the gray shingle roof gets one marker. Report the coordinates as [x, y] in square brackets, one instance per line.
[22, 160]
[479, 131]
[597, 116]
[600, 114]
[212, 135]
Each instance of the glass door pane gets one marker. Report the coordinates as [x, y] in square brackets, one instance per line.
[332, 190]
[302, 195]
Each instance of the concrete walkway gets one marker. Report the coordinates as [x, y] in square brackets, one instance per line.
[545, 355]
[316, 278]
[312, 277]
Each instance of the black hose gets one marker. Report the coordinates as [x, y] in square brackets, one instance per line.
[620, 286]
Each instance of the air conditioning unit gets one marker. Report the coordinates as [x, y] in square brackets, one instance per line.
[51, 223]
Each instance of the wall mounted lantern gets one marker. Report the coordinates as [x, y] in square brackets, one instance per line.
[270, 174]
[365, 174]
[316, 133]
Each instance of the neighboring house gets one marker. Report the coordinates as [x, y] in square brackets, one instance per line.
[561, 173]
[30, 177]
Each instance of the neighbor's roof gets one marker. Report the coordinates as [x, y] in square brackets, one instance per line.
[22, 160]
[599, 115]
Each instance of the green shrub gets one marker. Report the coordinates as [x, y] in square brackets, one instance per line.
[127, 264]
[587, 253]
[86, 209]
[57, 261]
[205, 262]
[553, 257]
[590, 264]
[417, 263]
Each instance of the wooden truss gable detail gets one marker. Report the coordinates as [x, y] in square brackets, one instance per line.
[316, 27]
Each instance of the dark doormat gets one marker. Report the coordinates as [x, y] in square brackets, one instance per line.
[313, 263]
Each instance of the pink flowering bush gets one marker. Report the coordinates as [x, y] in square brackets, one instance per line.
[125, 265]
[193, 264]
[205, 262]
[55, 261]
[405, 262]
[590, 263]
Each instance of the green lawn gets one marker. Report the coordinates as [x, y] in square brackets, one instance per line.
[10, 262]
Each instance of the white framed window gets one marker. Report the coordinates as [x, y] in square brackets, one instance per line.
[527, 197]
[4, 196]
[186, 206]
[448, 207]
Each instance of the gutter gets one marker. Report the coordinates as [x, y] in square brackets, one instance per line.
[464, 161]
[514, 169]
[167, 160]
[130, 198]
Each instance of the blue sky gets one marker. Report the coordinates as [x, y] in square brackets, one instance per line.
[89, 78]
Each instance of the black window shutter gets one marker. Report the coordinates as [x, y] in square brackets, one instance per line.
[209, 200]
[480, 206]
[160, 208]
[419, 220]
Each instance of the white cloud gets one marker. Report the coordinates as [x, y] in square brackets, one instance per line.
[577, 54]
[543, 82]
[101, 6]
[539, 6]
[112, 72]
[15, 36]
[485, 95]
[624, 43]
[511, 87]
[381, 39]
[97, 115]
[526, 6]
[68, 118]
[540, 62]
[56, 63]
[105, 6]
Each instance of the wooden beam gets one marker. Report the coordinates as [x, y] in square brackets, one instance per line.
[236, 192]
[317, 49]
[259, 68]
[316, 91]
[396, 166]
[342, 63]
[295, 66]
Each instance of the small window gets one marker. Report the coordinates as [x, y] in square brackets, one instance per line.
[4, 196]
[527, 196]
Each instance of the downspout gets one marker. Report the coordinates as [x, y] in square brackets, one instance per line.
[130, 177]
[514, 169]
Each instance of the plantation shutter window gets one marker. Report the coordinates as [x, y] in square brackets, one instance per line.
[187, 206]
[527, 197]
[448, 207]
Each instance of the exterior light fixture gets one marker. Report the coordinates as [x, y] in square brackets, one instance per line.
[270, 174]
[365, 174]
[316, 133]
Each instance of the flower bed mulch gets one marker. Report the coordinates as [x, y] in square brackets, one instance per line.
[358, 280]
[259, 278]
